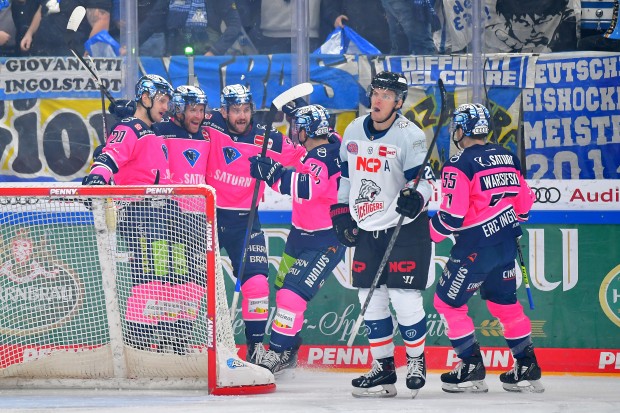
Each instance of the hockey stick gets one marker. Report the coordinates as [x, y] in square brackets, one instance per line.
[388, 251]
[526, 279]
[74, 22]
[300, 90]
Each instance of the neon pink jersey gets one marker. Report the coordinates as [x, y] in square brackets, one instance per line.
[314, 188]
[484, 196]
[138, 154]
[228, 166]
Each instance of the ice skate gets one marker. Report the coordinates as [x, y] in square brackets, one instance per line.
[524, 376]
[271, 360]
[378, 382]
[255, 353]
[288, 359]
[467, 377]
[416, 374]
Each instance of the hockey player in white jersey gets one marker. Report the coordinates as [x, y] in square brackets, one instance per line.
[381, 155]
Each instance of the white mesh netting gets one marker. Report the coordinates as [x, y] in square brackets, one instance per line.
[113, 289]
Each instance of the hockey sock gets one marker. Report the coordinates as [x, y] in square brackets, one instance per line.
[380, 337]
[288, 321]
[255, 307]
[517, 326]
[414, 337]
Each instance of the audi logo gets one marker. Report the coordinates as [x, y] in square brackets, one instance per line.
[545, 195]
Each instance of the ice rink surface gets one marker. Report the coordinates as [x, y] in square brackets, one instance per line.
[321, 391]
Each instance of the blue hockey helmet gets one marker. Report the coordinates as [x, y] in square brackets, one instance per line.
[314, 119]
[152, 84]
[187, 95]
[236, 95]
[473, 119]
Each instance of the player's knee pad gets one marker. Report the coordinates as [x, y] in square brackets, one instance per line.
[255, 302]
[379, 305]
[459, 324]
[289, 317]
[516, 324]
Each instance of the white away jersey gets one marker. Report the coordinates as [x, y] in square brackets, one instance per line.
[373, 171]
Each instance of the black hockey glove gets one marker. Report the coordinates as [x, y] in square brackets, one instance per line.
[265, 169]
[122, 108]
[409, 203]
[94, 179]
[344, 225]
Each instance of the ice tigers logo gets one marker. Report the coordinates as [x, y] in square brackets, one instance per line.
[365, 204]
[368, 191]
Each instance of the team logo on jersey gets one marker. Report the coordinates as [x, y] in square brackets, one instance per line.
[259, 139]
[192, 156]
[138, 126]
[205, 134]
[403, 124]
[387, 151]
[352, 148]
[481, 161]
[231, 154]
[164, 150]
[321, 152]
[365, 204]
[208, 116]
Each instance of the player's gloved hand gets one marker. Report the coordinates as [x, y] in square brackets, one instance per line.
[122, 108]
[265, 169]
[409, 203]
[94, 179]
[291, 107]
[344, 225]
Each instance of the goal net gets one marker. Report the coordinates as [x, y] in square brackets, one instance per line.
[116, 287]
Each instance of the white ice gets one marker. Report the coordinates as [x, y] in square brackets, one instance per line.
[323, 391]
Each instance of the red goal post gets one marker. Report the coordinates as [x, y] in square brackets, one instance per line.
[116, 287]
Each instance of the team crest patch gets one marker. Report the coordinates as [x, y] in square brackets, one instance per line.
[231, 154]
[365, 204]
[165, 150]
[205, 134]
[352, 148]
[192, 156]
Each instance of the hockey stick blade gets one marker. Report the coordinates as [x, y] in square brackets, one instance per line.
[298, 91]
[442, 118]
[76, 18]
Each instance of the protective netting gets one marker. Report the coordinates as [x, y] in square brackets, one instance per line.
[114, 288]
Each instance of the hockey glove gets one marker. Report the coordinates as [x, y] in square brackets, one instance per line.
[122, 108]
[409, 203]
[265, 169]
[344, 225]
[94, 179]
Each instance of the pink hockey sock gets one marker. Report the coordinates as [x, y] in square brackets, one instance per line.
[458, 322]
[255, 301]
[516, 324]
[289, 318]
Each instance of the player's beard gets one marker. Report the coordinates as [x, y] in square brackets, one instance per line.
[239, 128]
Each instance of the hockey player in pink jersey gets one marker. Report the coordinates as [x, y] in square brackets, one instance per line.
[312, 250]
[187, 142]
[381, 155]
[135, 155]
[484, 197]
[235, 138]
